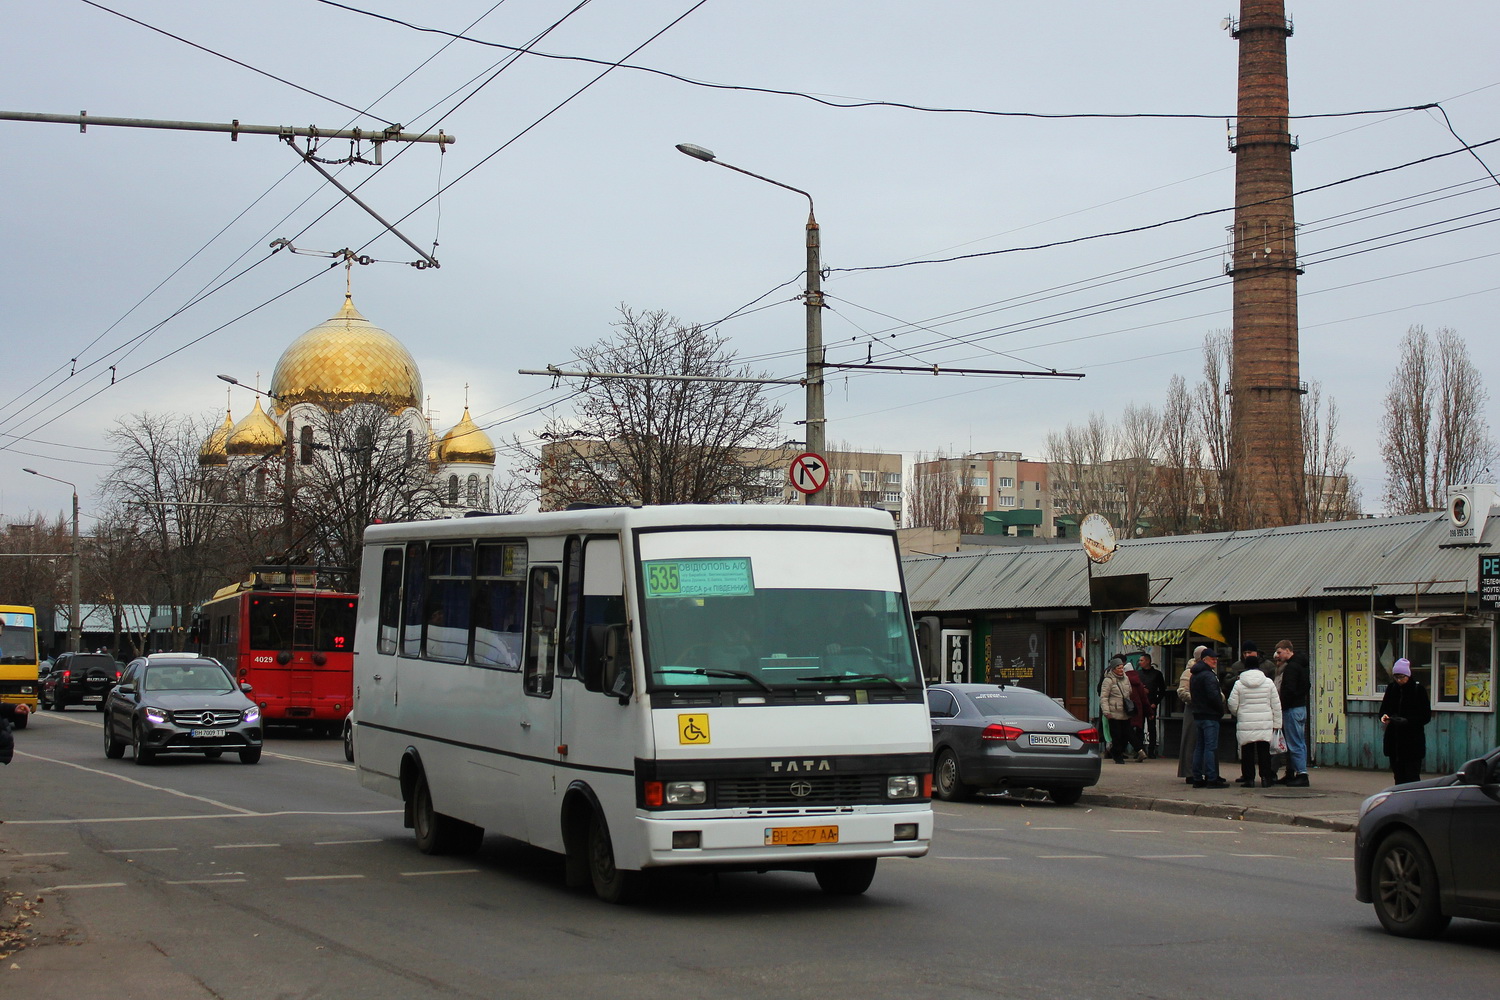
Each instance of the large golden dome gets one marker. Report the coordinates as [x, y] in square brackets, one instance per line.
[466, 443]
[255, 434]
[215, 450]
[345, 360]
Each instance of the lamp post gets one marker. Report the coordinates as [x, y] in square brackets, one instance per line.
[813, 298]
[286, 486]
[75, 625]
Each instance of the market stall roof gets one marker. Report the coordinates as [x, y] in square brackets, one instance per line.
[1170, 626]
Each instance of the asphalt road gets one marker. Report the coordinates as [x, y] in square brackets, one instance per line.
[213, 879]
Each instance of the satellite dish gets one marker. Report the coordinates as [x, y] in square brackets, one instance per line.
[1098, 536]
[1227, 23]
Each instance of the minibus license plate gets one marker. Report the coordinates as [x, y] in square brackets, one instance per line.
[788, 836]
[207, 734]
[1047, 740]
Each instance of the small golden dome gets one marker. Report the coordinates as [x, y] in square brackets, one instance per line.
[346, 359]
[255, 434]
[215, 450]
[466, 443]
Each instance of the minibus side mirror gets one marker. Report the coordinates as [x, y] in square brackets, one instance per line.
[606, 656]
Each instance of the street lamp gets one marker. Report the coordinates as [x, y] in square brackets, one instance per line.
[813, 297]
[75, 624]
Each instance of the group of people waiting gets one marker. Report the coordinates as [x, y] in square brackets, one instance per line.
[1269, 707]
[1268, 703]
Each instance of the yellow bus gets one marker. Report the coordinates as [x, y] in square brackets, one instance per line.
[18, 660]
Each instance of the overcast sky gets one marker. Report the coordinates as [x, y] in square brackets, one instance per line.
[109, 234]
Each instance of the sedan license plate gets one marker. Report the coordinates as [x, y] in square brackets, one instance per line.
[791, 836]
[206, 734]
[1049, 740]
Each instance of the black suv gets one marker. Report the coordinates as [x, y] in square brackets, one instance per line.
[79, 679]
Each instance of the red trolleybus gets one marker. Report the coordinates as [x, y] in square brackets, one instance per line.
[292, 641]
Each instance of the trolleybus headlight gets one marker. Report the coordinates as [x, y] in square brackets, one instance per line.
[252, 715]
[686, 793]
[903, 786]
[156, 716]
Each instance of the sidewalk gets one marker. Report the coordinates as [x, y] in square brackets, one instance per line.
[1330, 803]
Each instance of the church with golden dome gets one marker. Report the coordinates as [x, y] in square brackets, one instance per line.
[348, 366]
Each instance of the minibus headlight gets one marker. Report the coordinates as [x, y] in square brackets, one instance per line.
[686, 793]
[902, 786]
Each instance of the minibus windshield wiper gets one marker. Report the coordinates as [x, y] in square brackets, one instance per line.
[715, 672]
[854, 679]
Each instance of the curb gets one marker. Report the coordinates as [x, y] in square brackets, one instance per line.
[1215, 810]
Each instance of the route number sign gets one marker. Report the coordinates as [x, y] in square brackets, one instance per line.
[808, 472]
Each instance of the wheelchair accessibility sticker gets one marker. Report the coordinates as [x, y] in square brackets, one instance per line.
[692, 729]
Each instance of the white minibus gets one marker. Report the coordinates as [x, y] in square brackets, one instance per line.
[729, 687]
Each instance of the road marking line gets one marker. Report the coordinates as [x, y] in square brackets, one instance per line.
[133, 781]
[1051, 828]
[337, 843]
[1232, 855]
[1216, 831]
[1135, 831]
[139, 850]
[243, 814]
[976, 829]
[946, 858]
[1300, 833]
[206, 881]
[1169, 857]
[318, 878]
[231, 847]
[1338, 859]
[1069, 857]
[446, 871]
[43, 854]
[91, 885]
[308, 760]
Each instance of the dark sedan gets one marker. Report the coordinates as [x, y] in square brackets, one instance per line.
[987, 736]
[78, 679]
[1425, 852]
[180, 703]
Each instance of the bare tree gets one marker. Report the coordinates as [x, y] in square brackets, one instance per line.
[158, 489]
[1330, 494]
[932, 494]
[365, 468]
[1434, 432]
[659, 441]
[1221, 507]
[1180, 505]
[1136, 473]
[1082, 480]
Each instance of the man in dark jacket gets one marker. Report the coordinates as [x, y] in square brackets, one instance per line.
[1156, 690]
[1208, 709]
[1294, 681]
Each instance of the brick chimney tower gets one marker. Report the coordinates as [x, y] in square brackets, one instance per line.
[1265, 483]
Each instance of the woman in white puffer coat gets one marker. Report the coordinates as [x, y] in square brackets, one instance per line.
[1256, 707]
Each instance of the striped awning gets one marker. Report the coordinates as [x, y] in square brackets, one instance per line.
[1170, 626]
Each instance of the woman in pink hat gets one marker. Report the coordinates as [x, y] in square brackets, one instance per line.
[1404, 712]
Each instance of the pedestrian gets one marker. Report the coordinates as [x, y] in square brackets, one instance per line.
[1142, 700]
[1295, 686]
[1404, 712]
[1114, 693]
[8, 712]
[1208, 710]
[1189, 730]
[1257, 716]
[1231, 673]
[1156, 693]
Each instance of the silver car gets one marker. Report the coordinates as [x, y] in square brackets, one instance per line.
[180, 703]
[991, 736]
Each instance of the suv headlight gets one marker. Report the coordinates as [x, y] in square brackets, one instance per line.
[156, 716]
[252, 714]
